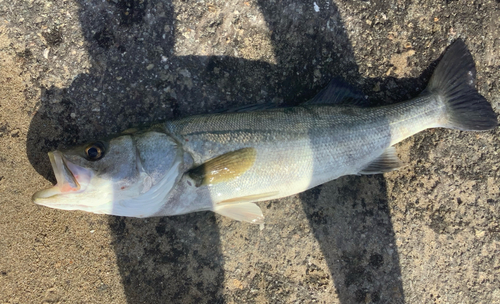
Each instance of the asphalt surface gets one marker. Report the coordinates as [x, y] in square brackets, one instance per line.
[73, 71]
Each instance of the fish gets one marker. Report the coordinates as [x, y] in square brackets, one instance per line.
[226, 162]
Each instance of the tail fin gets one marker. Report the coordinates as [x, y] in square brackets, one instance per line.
[454, 81]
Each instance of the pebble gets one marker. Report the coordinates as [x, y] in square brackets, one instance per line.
[316, 7]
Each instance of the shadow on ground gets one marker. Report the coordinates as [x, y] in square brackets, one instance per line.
[137, 78]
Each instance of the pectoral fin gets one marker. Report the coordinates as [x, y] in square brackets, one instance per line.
[246, 212]
[386, 162]
[224, 168]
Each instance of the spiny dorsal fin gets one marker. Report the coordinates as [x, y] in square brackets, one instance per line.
[338, 92]
[386, 162]
[224, 167]
[251, 108]
[246, 212]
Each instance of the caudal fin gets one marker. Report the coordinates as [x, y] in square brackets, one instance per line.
[454, 82]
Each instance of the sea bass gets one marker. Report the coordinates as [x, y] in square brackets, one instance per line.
[228, 161]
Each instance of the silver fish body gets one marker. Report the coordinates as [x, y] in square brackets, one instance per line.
[226, 162]
[297, 148]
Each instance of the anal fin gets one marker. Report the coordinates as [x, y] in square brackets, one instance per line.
[386, 162]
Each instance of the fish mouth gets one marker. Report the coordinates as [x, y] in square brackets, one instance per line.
[68, 175]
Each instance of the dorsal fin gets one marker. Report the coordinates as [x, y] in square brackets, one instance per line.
[252, 108]
[338, 92]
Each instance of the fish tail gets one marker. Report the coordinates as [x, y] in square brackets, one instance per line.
[453, 83]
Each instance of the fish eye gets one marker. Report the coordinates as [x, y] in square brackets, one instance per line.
[94, 151]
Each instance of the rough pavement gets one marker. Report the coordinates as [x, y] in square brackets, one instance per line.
[72, 71]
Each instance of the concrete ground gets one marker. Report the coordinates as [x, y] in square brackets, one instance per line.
[76, 70]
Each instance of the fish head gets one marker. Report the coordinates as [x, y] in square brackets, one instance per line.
[129, 175]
